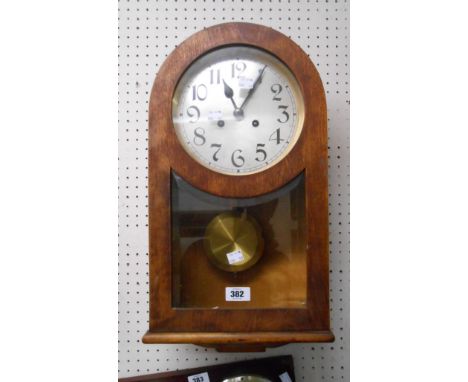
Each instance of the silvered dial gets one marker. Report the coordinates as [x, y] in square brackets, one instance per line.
[238, 110]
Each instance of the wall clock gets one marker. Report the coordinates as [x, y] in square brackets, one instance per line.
[238, 198]
[272, 369]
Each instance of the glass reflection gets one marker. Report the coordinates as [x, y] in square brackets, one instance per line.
[256, 243]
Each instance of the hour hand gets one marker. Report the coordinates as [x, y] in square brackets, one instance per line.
[229, 93]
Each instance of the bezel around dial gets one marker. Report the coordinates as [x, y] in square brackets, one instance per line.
[237, 137]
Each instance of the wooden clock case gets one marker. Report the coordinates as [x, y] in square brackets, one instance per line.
[238, 329]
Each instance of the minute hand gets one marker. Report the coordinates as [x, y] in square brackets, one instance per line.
[255, 85]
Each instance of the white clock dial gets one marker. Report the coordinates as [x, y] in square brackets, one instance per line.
[238, 110]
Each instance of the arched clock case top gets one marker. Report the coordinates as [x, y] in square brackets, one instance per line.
[309, 156]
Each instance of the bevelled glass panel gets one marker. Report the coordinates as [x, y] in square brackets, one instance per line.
[238, 253]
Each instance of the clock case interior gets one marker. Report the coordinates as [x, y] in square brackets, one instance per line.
[276, 279]
[186, 305]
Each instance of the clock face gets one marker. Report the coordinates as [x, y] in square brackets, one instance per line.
[238, 110]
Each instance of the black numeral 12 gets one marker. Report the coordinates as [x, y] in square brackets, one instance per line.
[238, 67]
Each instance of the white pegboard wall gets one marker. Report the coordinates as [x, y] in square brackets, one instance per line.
[148, 31]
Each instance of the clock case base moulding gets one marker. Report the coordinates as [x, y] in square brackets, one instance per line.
[238, 342]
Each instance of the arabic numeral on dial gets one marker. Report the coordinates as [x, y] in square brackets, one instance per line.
[215, 76]
[276, 137]
[284, 113]
[199, 92]
[238, 67]
[215, 154]
[199, 138]
[194, 113]
[237, 159]
[261, 151]
[276, 88]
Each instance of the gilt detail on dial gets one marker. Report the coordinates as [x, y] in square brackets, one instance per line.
[238, 110]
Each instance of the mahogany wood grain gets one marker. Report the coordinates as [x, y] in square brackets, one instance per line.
[270, 368]
[169, 324]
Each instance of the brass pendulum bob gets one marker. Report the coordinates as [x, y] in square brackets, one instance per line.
[233, 241]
